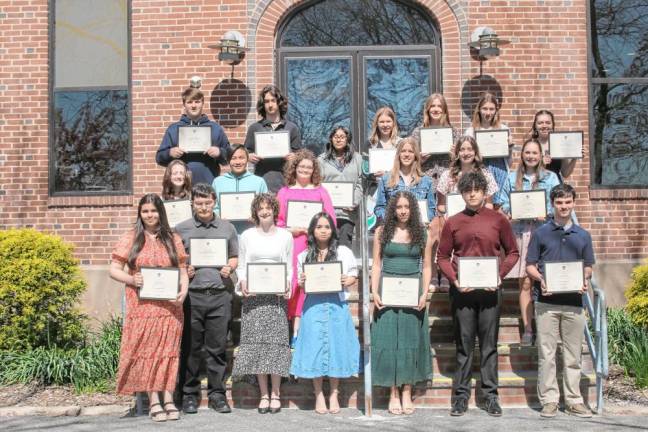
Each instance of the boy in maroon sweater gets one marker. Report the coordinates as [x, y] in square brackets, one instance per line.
[476, 232]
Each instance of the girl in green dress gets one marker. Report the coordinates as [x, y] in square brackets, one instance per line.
[400, 340]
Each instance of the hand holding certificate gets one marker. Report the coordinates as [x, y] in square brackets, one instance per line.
[436, 140]
[194, 139]
[400, 291]
[323, 277]
[267, 278]
[271, 145]
[159, 283]
[381, 159]
[566, 145]
[478, 272]
[341, 193]
[564, 276]
[236, 206]
[493, 143]
[528, 204]
[300, 213]
[211, 252]
[177, 211]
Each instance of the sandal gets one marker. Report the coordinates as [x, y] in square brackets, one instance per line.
[334, 409]
[157, 416]
[275, 409]
[172, 413]
[264, 409]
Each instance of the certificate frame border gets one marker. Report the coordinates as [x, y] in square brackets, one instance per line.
[582, 135]
[175, 269]
[303, 201]
[527, 191]
[194, 126]
[341, 182]
[383, 276]
[447, 207]
[582, 262]
[377, 149]
[476, 258]
[283, 132]
[325, 263]
[285, 282]
[164, 202]
[437, 153]
[485, 131]
[208, 238]
[220, 204]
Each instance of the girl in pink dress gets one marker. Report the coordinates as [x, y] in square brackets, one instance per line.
[303, 180]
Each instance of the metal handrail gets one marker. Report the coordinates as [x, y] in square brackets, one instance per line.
[598, 343]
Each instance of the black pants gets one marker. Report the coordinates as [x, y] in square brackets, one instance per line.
[475, 313]
[208, 320]
[346, 228]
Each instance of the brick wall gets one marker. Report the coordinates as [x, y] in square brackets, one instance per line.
[544, 67]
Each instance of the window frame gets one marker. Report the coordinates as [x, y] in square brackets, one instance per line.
[51, 133]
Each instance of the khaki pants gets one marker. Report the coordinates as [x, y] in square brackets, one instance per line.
[566, 323]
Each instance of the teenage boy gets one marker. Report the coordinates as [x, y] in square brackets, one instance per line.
[560, 317]
[476, 232]
[208, 305]
[204, 167]
[272, 106]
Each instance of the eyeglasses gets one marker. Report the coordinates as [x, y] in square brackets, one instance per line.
[339, 137]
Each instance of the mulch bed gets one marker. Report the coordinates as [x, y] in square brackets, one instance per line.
[35, 395]
[621, 389]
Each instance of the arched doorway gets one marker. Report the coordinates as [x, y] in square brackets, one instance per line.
[341, 60]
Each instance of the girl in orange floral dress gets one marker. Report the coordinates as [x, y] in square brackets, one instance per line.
[150, 345]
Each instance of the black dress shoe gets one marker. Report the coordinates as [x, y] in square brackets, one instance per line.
[459, 407]
[493, 407]
[220, 406]
[190, 404]
[264, 410]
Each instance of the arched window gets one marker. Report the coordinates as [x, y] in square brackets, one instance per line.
[341, 60]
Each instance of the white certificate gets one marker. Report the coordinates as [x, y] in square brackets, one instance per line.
[422, 205]
[566, 145]
[272, 144]
[300, 213]
[341, 193]
[381, 159]
[194, 139]
[454, 204]
[236, 205]
[266, 278]
[324, 277]
[564, 276]
[478, 272]
[400, 291]
[436, 140]
[160, 283]
[208, 252]
[493, 143]
[529, 204]
[177, 211]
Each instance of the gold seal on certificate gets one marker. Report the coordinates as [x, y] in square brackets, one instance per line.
[454, 204]
[422, 205]
[208, 252]
[564, 276]
[160, 283]
[266, 278]
[177, 211]
[400, 291]
[324, 277]
[194, 139]
[566, 145]
[478, 272]
[531, 204]
[341, 193]
[381, 159]
[493, 143]
[300, 213]
[436, 140]
[271, 145]
[236, 206]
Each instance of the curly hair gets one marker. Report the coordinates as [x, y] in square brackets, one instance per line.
[472, 181]
[415, 227]
[290, 170]
[264, 198]
[282, 101]
[331, 254]
[455, 165]
[167, 186]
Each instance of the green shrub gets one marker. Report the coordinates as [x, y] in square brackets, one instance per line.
[628, 345]
[89, 369]
[637, 295]
[40, 287]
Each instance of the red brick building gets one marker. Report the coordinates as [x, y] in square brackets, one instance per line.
[156, 46]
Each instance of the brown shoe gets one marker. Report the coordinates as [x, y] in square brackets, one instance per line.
[549, 410]
[579, 410]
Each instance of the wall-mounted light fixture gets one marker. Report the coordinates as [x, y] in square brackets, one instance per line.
[232, 48]
[484, 44]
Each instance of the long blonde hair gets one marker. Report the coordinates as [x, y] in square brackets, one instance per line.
[374, 138]
[417, 172]
[521, 169]
[476, 117]
[445, 118]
